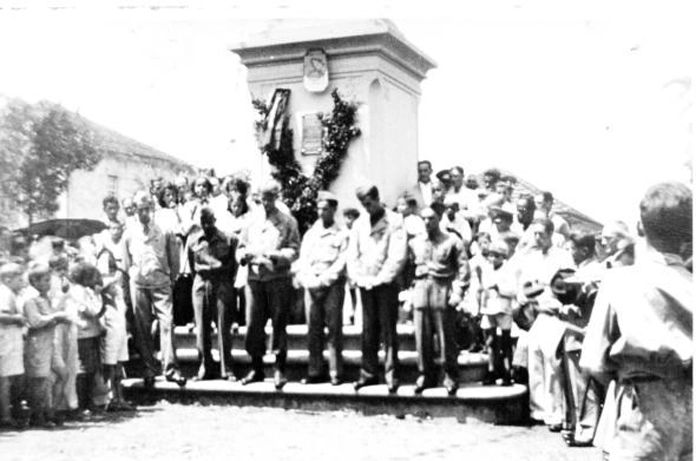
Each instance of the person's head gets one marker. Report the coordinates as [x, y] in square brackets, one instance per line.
[406, 205]
[439, 209]
[350, 215]
[525, 210]
[110, 206]
[57, 245]
[11, 276]
[582, 246]
[182, 186]
[143, 206]
[472, 182]
[483, 239]
[666, 218]
[59, 265]
[238, 206]
[216, 188]
[128, 206]
[40, 277]
[502, 219]
[497, 253]
[208, 221]
[613, 235]
[168, 196]
[425, 169]
[269, 193]
[431, 221]
[202, 188]
[439, 190]
[457, 175]
[369, 199]
[86, 274]
[327, 204]
[491, 178]
[542, 229]
[452, 209]
[445, 177]
[236, 187]
[544, 202]
[155, 185]
[511, 240]
[116, 230]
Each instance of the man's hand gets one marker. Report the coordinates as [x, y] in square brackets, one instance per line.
[455, 299]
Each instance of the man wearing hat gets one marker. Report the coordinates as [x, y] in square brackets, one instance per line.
[151, 259]
[376, 255]
[441, 277]
[321, 271]
[268, 246]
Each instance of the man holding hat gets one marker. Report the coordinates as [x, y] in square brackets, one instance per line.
[151, 259]
[321, 272]
[268, 246]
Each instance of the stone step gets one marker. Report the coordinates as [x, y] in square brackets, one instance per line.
[472, 403]
[472, 366]
[297, 337]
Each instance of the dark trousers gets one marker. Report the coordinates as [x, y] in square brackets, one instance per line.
[266, 300]
[380, 313]
[326, 307]
[436, 327]
[151, 303]
[213, 300]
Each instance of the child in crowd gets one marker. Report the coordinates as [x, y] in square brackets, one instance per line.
[350, 215]
[114, 345]
[499, 290]
[39, 348]
[12, 322]
[66, 363]
[86, 294]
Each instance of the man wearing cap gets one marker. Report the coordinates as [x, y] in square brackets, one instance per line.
[211, 257]
[376, 254]
[151, 259]
[268, 246]
[617, 244]
[321, 271]
[441, 277]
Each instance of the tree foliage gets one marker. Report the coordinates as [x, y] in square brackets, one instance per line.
[40, 146]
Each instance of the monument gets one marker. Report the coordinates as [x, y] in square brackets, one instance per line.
[370, 63]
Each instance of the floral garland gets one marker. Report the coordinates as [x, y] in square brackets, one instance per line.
[300, 191]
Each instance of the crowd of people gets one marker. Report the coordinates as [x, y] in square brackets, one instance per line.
[555, 308]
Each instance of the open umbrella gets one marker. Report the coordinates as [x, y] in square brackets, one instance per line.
[68, 229]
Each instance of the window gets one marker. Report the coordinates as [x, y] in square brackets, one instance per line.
[112, 184]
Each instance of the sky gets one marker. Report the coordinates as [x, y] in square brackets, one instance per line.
[594, 102]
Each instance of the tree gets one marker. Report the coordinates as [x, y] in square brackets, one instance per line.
[40, 146]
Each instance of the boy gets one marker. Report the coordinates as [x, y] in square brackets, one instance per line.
[499, 290]
[640, 333]
[39, 350]
[11, 342]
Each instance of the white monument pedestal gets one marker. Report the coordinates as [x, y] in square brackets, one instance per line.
[371, 63]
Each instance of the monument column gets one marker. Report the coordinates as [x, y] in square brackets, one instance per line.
[369, 62]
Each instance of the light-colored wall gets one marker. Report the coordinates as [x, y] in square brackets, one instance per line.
[83, 199]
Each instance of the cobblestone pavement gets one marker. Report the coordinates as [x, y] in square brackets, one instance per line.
[205, 433]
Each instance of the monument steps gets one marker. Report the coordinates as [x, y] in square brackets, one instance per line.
[472, 403]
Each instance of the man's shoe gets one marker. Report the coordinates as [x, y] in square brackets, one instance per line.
[489, 379]
[554, 427]
[336, 381]
[175, 377]
[313, 380]
[451, 389]
[279, 380]
[393, 386]
[420, 385]
[362, 382]
[254, 376]
[229, 377]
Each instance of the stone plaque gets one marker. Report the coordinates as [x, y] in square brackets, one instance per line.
[312, 133]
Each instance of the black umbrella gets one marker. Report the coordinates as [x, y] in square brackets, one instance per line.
[68, 229]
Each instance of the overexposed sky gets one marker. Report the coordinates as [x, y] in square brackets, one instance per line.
[593, 102]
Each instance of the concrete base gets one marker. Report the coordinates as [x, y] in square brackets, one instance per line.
[473, 403]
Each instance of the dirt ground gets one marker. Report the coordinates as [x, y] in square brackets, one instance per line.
[200, 432]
